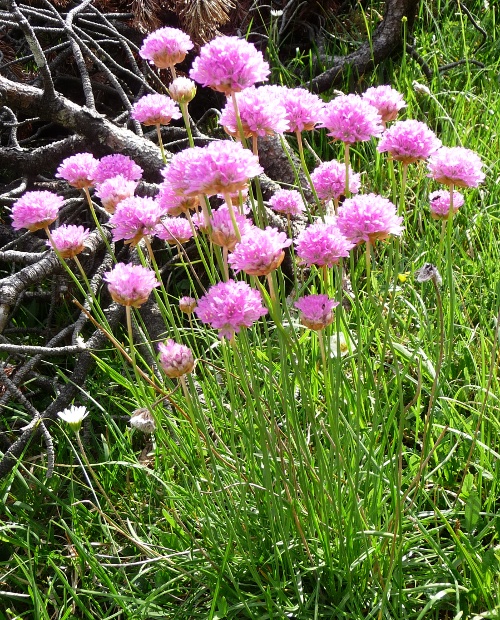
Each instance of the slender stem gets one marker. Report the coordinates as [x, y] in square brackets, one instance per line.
[229, 202]
[404, 175]
[187, 123]
[368, 264]
[238, 119]
[224, 259]
[306, 170]
[347, 157]
[255, 144]
[160, 143]
[451, 282]
[173, 72]
[128, 314]
[97, 223]
[322, 349]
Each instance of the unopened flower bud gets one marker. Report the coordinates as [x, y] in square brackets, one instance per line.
[142, 420]
[182, 90]
[187, 304]
[175, 359]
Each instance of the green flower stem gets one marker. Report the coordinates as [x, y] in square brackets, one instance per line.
[187, 123]
[97, 223]
[404, 175]
[451, 281]
[305, 169]
[224, 260]
[347, 158]
[160, 143]
[229, 202]
[128, 314]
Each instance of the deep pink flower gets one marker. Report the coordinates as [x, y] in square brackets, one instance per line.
[117, 165]
[135, 218]
[259, 251]
[229, 64]
[155, 110]
[409, 141]
[456, 166]
[113, 191]
[229, 306]
[130, 285]
[322, 244]
[316, 311]
[35, 210]
[386, 100]
[182, 90]
[367, 218]
[329, 180]
[440, 204]
[222, 232]
[176, 359]
[187, 304]
[350, 118]
[165, 47]
[173, 203]
[174, 230]
[287, 201]
[303, 109]
[78, 170]
[177, 173]
[69, 240]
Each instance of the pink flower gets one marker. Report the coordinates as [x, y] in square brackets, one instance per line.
[177, 173]
[409, 141]
[229, 64]
[222, 233]
[135, 218]
[367, 218]
[303, 109]
[69, 240]
[78, 170]
[174, 230]
[316, 311]
[187, 304]
[351, 119]
[456, 166]
[440, 204]
[165, 47]
[287, 201]
[260, 112]
[35, 210]
[117, 165]
[182, 90]
[386, 100]
[329, 180]
[130, 285]
[173, 203]
[113, 191]
[259, 251]
[322, 244]
[229, 306]
[155, 110]
[176, 359]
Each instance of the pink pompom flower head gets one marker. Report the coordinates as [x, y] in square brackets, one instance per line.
[182, 90]
[287, 201]
[130, 285]
[329, 180]
[36, 210]
[68, 240]
[368, 218]
[173, 203]
[78, 170]
[175, 359]
[222, 231]
[166, 47]
[155, 110]
[259, 252]
[135, 218]
[386, 100]
[408, 141]
[229, 306]
[229, 65]
[322, 244]
[456, 166]
[350, 118]
[440, 204]
[303, 109]
[174, 230]
[117, 165]
[113, 191]
[316, 311]
[178, 173]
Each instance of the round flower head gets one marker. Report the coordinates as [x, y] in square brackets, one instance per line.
[35, 210]
[69, 240]
[287, 201]
[78, 170]
[166, 47]
[113, 191]
[456, 166]
[367, 218]
[222, 229]
[73, 416]
[316, 311]
[440, 204]
[130, 285]
[177, 173]
[409, 141]
[187, 304]
[259, 251]
[155, 110]
[350, 118]
[386, 100]
[303, 109]
[174, 230]
[229, 64]
[173, 203]
[322, 244]
[117, 165]
[175, 359]
[182, 90]
[329, 180]
[143, 421]
[135, 218]
[229, 306]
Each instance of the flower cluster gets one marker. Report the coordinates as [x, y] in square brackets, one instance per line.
[130, 285]
[175, 359]
[35, 210]
[166, 47]
[409, 141]
[174, 230]
[78, 170]
[155, 110]
[322, 244]
[135, 218]
[222, 230]
[329, 180]
[456, 166]
[440, 203]
[350, 118]
[367, 218]
[112, 191]
[116, 165]
[287, 201]
[259, 252]
[316, 311]
[69, 240]
[386, 100]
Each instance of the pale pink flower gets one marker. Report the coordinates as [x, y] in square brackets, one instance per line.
[176, 359]
[174, 230]
[182, 90]
[173, 203]
[117, 165]
[35, 210]
[187, 304]
[287, 201]
[222, 228]
[165, 47]
[229, 306]
[456, 166]
[130, 285]
[78, 170]
[386, 100]
[69, 240]
[316, 311]
[367, 218]
[229, 64]
[259, 251]
[177, 173]
[409, 141]
[135, 218]
[113, 191]
[350, 118]
[329, 180]
[440, 204]
[155, 110]
[322, 244]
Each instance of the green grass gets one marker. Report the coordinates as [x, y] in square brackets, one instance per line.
[286, 489]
